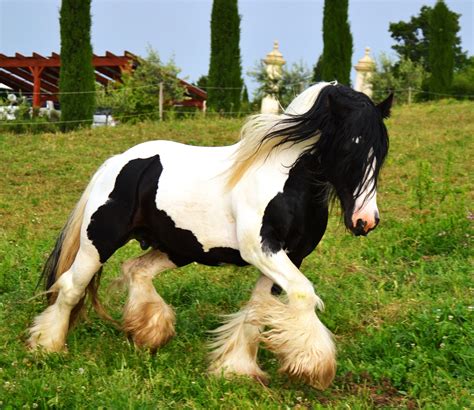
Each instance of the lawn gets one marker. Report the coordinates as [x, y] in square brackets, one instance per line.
[400, 301]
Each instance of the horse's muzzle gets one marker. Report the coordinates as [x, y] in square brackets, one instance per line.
[363, 226]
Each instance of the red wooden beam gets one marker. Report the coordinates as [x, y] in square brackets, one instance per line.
[36, 71]
[14, 82]
[97, 61]
[26, 75]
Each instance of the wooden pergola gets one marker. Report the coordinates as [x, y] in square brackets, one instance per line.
[38, 76]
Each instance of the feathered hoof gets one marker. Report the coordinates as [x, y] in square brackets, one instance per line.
[47, 333]
[319, 376]
[301, 342]
[150, 324]
[229, 371]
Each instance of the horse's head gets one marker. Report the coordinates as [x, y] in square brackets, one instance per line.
[352, 149]
[344, 131]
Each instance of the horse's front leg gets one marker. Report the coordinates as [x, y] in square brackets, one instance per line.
[235, 343]
[294, 332]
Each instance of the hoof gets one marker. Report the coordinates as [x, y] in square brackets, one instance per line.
[301, 342]
[229, 371]
[318, 375]
[47, 332]
[150, 324]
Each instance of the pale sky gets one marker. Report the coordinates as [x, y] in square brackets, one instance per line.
[181, 28]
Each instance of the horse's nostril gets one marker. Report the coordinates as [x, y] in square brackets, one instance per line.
[360, 224]
[377, 220]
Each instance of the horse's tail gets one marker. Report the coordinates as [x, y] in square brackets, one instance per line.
[62, 257]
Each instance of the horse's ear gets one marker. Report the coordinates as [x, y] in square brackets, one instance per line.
[385, 106]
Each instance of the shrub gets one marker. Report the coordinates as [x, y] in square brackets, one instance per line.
[137, 98]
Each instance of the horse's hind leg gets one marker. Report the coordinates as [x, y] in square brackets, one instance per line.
[147, 317]
[236, 342]
[50, 328]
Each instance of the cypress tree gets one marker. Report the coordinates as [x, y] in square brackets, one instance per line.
[225, 71]
[77, 78]
[318, 70]
[443, 29]
[337, 39]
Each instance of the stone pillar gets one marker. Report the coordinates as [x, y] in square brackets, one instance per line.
[364, 68]
[273, 66]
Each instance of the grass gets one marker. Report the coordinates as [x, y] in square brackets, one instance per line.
[400, 301]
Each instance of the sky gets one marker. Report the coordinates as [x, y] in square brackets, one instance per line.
[180, 29]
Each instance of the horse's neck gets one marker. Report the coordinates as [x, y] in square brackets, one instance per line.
[293, 162]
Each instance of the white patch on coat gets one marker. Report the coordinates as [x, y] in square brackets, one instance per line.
[365, 207]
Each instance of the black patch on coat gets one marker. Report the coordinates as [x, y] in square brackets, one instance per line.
[131, 213]
[295, 220]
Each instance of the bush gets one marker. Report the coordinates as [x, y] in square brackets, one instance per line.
[294, 80]
[463, 82]
[28, 120]
[137, 98]
[398, 77]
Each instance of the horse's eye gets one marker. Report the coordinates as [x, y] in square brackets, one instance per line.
[357, 140]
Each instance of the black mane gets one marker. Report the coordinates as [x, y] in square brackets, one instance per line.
[351, 135]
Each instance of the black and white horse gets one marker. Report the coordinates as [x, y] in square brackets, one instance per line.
[263, 201]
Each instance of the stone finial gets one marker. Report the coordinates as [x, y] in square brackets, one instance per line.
[364, 69]
[274, 57]
[366, 63]
[273, 66]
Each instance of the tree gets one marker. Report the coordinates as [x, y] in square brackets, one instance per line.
[399, 77]
[136, 99]
[294, 80]
[337, 39]
[318, 70]
[225, 71]
[463, 81]
[413, 38]
[202, 82]
[443, 28]
[77, 77]
[245, 95]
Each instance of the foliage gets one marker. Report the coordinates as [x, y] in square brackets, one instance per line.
[28, 120]
[202, 82]
[137, 98]
[398, 77]
[318, 70]
[398, 300]
[463, 81]
[225, 71]
[77, 76]
[245, 106]
[337, 39]
[293, 81]
[413, 38]
[443, 29]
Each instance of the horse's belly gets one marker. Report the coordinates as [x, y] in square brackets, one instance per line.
[211, 222]
[199, 207]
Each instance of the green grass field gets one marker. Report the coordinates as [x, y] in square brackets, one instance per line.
[400, 302]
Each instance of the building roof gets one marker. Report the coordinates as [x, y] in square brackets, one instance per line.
[38, 76]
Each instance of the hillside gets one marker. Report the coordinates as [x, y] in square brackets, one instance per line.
[400, 301]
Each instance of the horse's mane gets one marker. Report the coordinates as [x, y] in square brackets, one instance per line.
[321, 120]
[263, 132]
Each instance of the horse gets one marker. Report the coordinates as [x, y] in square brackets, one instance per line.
[262, 201]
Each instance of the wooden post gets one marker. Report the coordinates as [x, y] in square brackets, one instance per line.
[160, 102]
[36, 72]
[409, 95]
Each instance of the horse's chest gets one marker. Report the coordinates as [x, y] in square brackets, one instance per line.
[296, 218]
